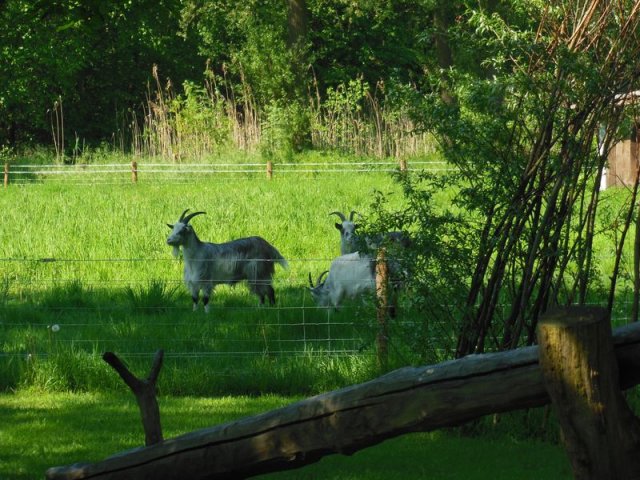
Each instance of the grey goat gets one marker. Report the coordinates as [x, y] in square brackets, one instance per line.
[209, 264]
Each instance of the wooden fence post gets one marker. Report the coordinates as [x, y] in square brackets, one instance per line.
[134, 171]
[382, 296]
[269, 169]
[580, 372]
[403, 165]
[6, 174]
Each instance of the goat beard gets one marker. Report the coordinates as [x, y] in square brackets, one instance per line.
[176, 251]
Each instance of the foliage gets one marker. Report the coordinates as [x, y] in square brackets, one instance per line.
[247, 39]
[283, 130]
[440, 250]
[97, 56]
[523, 131]
[374, 39]
[76, 73]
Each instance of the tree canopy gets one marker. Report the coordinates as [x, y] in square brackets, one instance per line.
[96, 57]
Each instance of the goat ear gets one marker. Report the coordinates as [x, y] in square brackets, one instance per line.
[356, 225]
[339, 226]
[169, 225]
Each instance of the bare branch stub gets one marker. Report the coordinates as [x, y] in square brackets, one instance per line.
[145, 393]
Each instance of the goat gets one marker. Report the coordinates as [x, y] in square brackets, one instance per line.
[349, 276]
[351, 242]
[347, 229]
[209, 264]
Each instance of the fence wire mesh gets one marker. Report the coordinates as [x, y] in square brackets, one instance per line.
[58, 305]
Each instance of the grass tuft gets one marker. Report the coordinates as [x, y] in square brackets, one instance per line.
[70, 294]
[153, 298]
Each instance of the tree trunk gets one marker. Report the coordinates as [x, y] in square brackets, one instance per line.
[297, 28]
[297, 21]
[442, 20]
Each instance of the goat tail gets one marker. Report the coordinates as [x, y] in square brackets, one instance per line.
[278, 258]
[283, 263]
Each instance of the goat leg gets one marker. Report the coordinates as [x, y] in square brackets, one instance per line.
[195, 302]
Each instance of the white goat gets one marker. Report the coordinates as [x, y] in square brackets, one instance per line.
[209, 264]
[347, 229]
[350, 241]
[350, 276]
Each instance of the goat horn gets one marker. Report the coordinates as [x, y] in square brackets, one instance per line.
[340, 214]
[319, 282]
[353, 212]
[310, 281]
[182, 216]
[186, 219]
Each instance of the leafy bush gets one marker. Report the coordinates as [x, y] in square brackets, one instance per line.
[285, 128]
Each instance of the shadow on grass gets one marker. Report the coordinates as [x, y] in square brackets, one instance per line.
[45, 430]
[54, 341]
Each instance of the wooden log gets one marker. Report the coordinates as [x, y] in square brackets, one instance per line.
[406, 400]
[145, 393]
[600, 432]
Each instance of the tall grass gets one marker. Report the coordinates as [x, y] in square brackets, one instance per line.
[203, 121]
[218, 117]
[87, 270]
[364, 120]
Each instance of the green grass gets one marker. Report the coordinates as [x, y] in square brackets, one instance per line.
[40, 431]
[92, 263]
[85, 269]
[440, 456]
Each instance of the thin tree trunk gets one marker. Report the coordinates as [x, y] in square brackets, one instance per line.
[625, 229]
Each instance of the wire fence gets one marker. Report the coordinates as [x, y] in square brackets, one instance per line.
[121, 173]
[75, 315]
[44, 313]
